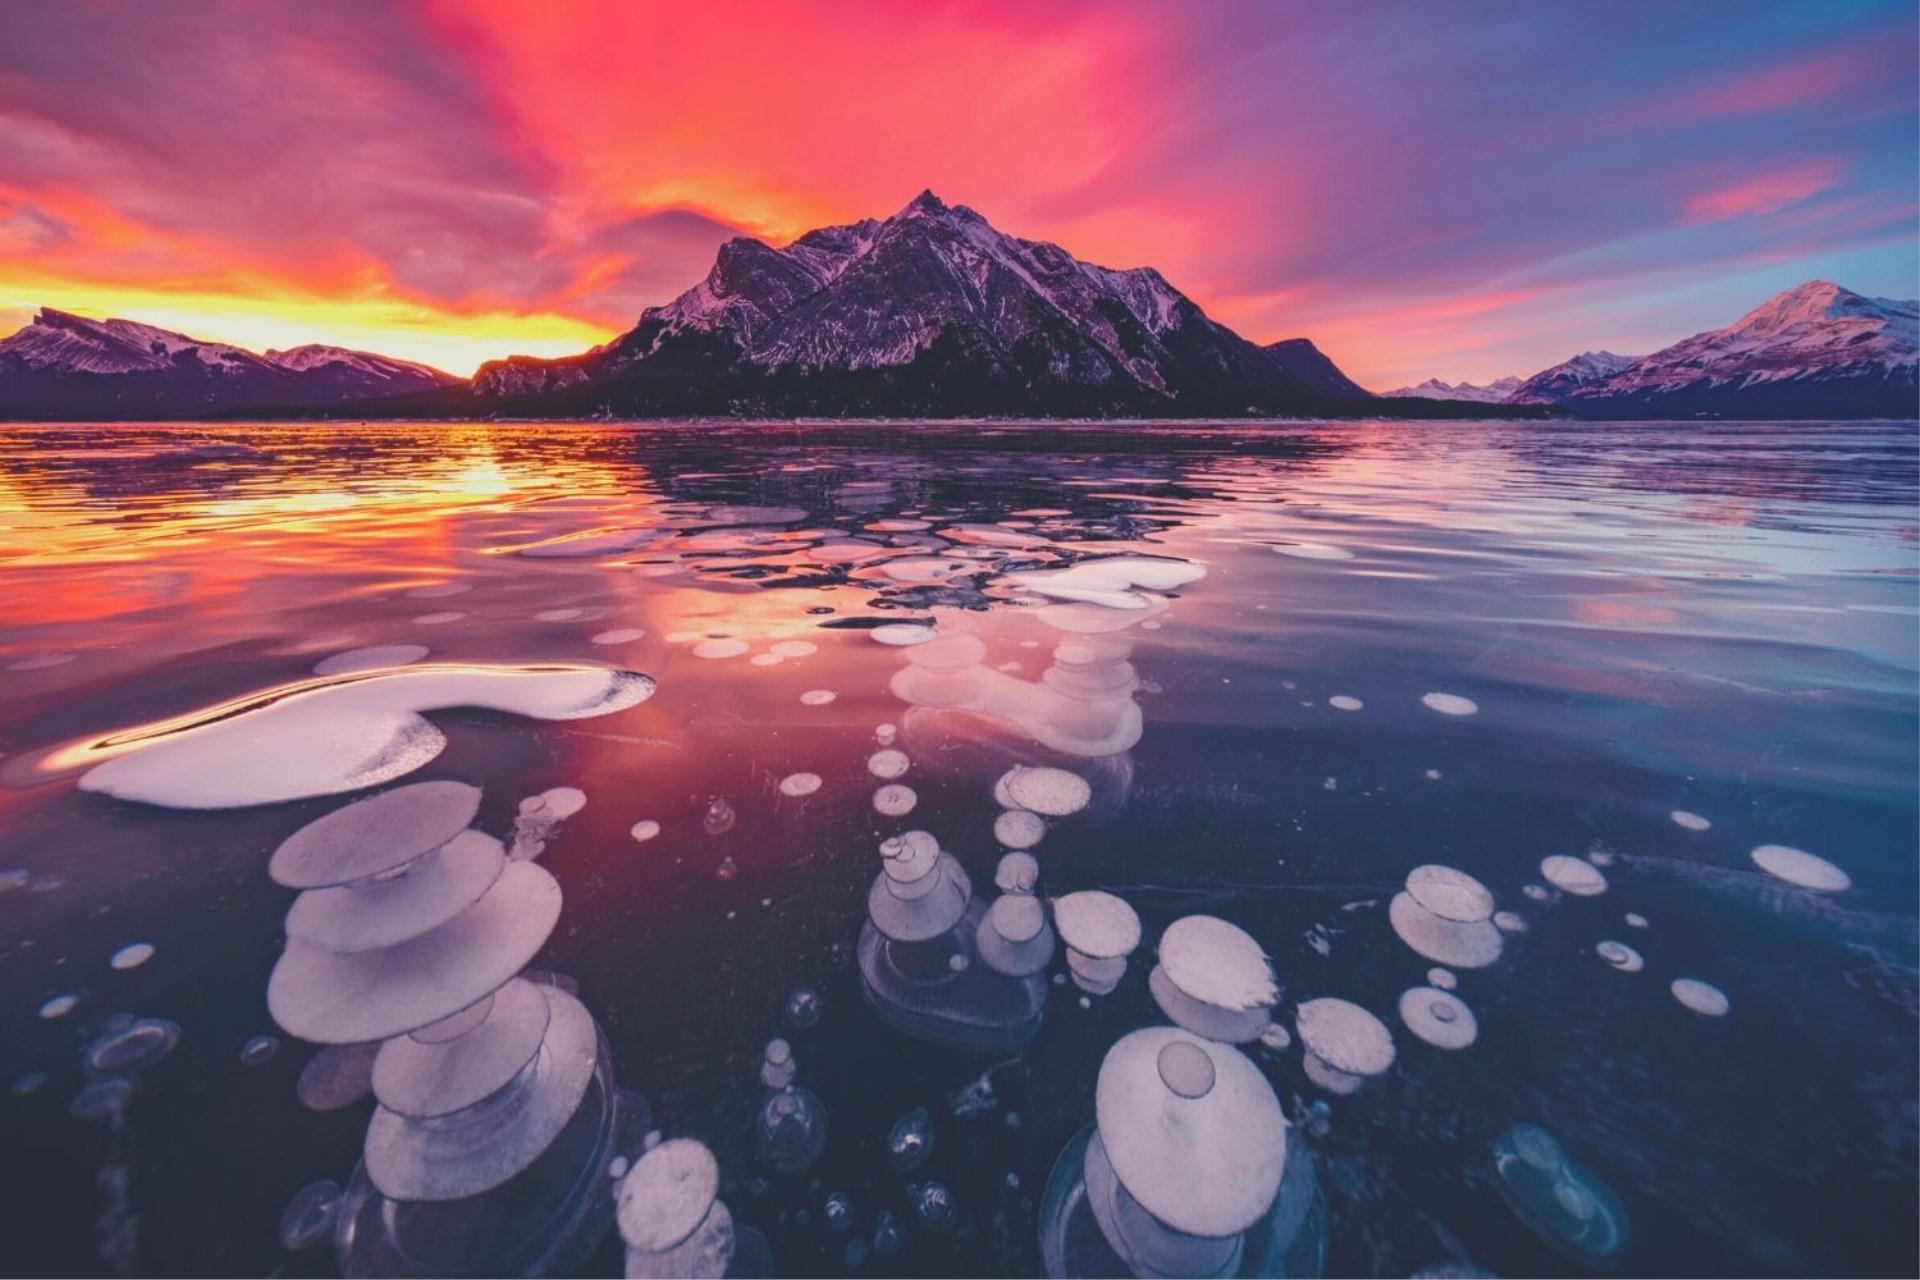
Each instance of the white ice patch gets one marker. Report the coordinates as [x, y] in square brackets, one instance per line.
[1450, 704]
[372, 658]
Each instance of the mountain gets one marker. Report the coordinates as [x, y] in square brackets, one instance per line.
[1569, 377]
[1817, 351]
[1308, 363]
[65, 366]
[930, 311]
[1495, 392]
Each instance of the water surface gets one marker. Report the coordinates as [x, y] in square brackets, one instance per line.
[1718, 619]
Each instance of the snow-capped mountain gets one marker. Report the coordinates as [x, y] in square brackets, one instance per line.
[1311, 365]
[929, 311]
[1569, 377]
[1495, 392]
[63, 365]
[1816, 351]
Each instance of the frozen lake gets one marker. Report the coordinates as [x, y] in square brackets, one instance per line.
[1291, 663]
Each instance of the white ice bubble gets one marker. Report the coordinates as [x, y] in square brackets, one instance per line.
[1442, 978]
[1438, 1017]
[887, 764]
[903, 635]
[1019, 829]
[558, 615]
[1344, 1036]
[131, 956]
[1053, 793]
[1217, 963]
[58, 1007]
[766, 660]
[325, 739]
[1576, 876]
[1798, 867]
[1689, 821]
[439, 619]
[722, 648]
[375, 835]
[371, 658]
[1702, 998]
[800, 784]
[1342, 702]
[1635, 920]
[1097, 924]
[895, 800]
[1620, 956]
[619, 635]
[644, 830]
[1463, 944]
[793, 648]
[1508, 922]
[667, 1194]
[1110, 583]
[1450, 893]
[818, 697]
[1450, 704]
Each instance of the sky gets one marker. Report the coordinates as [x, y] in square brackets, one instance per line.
[1464, 191]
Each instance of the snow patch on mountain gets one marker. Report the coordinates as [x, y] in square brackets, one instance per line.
[1495, 392]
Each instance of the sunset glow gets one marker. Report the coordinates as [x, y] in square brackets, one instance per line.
[451, 182]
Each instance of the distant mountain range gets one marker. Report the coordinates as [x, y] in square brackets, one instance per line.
[933, 312]
[63, 366]
[1816, 351]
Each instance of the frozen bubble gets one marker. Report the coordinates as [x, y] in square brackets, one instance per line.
[337, 1077]
[799, 784]
[1016, 873]
[1534, 893]
[1013, 937]
[1191, 1130]
[558, 615]
[371, 658]
[259, 1050]
[1342, 702]
[308, 1217]
[644, 830]
[1620, 956]
[1450, 704]
[1432, 775]
[766, 660]
[1110, 582]
[910, 1141]
[667, 1194]
[1558, 1200]
[1450, 894]
[313, 741]
[725, 648]
[133, 1047]
[1019, 829]
[371, 837]
[934, 1206]
[793, 648]
[727, 870]
[1275, 1037]
[719, 817]
[1635, 920]
[563, 802]
[617, 1167]
[1097, 924]
[1508, 922]
[884, 733]
[1438, 1017]
[802, 1009]
[888, 1235]
[347, 999]
[1344, 1036]
[101, 1099]
[461, 1062]
[1798, 867]
[1702, 998]
[895, 800]
[619, 635]
[1601, 857]
[1576, 876]
[59, 1006]
[817, 697]
[439, 619]
[902, 634]
[839, 1211]
[887, 764]
[1459, 944]
[1442, 978]
[1689, 821]
[131, 956]
[1053, 793]
[1312, 551]
[1217, 963]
